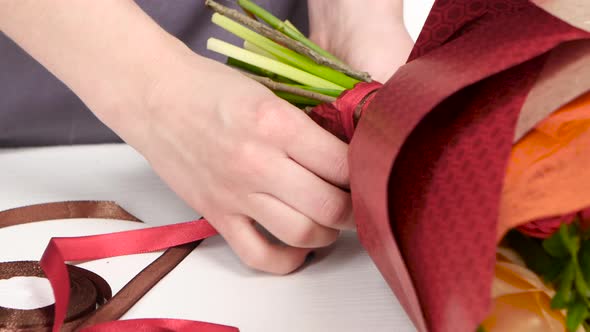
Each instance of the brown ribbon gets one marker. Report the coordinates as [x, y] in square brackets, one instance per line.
[135, 289]
[88, 289]
[64, 210]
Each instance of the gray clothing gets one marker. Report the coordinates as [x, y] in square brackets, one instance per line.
[36, 109]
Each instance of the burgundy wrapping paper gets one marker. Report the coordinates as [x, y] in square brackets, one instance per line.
[429, 154]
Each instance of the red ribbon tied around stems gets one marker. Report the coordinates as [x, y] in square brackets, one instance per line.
[60, 250]
[340, 117]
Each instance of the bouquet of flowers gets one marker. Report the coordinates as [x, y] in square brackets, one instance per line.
[469, 173]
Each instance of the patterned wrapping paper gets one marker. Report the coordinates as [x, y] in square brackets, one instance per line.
[429, 154]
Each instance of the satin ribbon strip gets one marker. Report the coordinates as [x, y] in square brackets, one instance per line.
[42, 319]
[60, 250]
[64, 210]
[126, 297]
[88, 291]
[135, 289]
[159, 325]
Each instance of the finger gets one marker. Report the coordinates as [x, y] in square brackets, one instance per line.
[308, 194]
[320, 152]
[287, 224]
[256, 251]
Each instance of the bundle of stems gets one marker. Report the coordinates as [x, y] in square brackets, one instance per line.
[276, 54]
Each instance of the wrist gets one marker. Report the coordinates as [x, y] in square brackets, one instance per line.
[124, 100]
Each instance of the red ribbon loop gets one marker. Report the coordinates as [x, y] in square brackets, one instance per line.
[60, 250]
[339, 117]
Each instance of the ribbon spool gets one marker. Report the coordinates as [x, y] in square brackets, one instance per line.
[88, 292]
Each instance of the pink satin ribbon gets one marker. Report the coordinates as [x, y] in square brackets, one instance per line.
[159, 325]
[60, 250]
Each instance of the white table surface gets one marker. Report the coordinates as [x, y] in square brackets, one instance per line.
[340, 290]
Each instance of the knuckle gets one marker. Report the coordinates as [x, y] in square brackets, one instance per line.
[272, 119]
[247, 160]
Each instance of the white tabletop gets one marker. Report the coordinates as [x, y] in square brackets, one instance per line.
[341, 290]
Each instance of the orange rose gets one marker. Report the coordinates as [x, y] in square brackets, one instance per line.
[521, 301]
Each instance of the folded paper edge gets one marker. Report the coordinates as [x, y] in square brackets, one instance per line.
[565, 77]
[574, 12]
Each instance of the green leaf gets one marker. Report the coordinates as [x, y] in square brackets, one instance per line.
[535, 257]
[577, 312]
[552, 272]
[480, 329]
[559, 301]
[584, 260]
[570, 237]
[564, 293]
[581, 284]
[555, 245]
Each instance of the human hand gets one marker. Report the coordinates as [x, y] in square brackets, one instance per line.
[238, 154]
[368, 36]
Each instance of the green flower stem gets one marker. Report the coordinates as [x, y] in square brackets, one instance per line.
[290, 88]
[290, 25]
[297, 99]
[327, 92]
[276, 23]
[253, 48]
[282, 53]
[271, 65]
[284, 40]
[248, 67]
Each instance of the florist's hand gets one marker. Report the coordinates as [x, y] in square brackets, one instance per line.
[368, 35]
[228, 146]
[239, 154]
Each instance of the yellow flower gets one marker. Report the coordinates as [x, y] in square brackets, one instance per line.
[521, 300]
